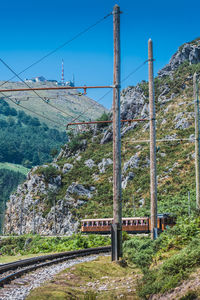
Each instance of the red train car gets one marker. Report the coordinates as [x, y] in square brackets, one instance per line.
[130, 225]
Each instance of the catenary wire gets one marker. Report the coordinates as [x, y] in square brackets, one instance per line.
[60, 47]
[28, 109]
[97, 102]
[5, 64]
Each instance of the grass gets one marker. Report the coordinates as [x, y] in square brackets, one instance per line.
[10, 258]
[14, 167]
[167, 261]
[66, 101]
[99, 279]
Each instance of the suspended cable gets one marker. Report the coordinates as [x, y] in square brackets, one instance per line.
[97, 102]
[28, 109]
[60, 47]
[7, 66]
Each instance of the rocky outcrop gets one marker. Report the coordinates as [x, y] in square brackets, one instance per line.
[133, 103]
[35, 195]
[104, 164]
[188, 52]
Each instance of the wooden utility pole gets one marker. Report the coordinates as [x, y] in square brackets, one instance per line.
[21, 216]
[197, 140]
[153, 175]
[117, 203]
[55, 231]
[34, 217]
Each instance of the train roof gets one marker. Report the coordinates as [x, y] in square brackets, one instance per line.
[111, 219]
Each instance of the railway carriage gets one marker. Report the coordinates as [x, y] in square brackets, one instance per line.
[130, 225]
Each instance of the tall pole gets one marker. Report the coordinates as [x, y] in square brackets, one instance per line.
[197, 140]
[153, 175]
[21, 216]
[55, 232]
[34, 217]
[117, 204]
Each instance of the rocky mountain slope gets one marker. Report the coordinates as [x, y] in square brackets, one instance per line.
[79, 181]
[73, 102]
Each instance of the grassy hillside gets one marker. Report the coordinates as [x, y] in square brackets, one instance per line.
[15, 168]
[71, 102]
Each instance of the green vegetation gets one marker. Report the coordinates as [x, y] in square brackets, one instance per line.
[24, 140]
[98, 279]
[15, 168]
[49, 172]
[33, 244]
[168, 260]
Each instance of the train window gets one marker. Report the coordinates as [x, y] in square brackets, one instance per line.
[100, 223]
[145, 222]
[129, 222]
[109, 222]
[124, 222]
[95, 223]
[90, 223]
[139, 222]
[104, 223]
[134, 222]
[84, 224]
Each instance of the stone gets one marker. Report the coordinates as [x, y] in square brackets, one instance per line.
[107, 137]
[182, 124]
[104, 163]
[128, 178]
[188, 52]
[89, 163]
[66, 168]
[133, 162]
[56, 166]
[79, 190]
[141, 202]
[126, 129]
[132, 102]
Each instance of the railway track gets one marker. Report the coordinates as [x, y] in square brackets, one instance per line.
[28, 265]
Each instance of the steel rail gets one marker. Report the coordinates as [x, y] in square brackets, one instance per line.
[44, 261]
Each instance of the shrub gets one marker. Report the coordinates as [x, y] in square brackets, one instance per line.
[48, 172]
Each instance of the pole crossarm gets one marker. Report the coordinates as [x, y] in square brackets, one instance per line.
[57, 88]
[100, 122]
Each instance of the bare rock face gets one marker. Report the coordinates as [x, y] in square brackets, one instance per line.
[79, 190]
[104, 164]
[188, 52]
[32, 195]
[132, 103]
[133, 162]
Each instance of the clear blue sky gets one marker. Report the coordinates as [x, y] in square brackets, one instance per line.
[30, 29]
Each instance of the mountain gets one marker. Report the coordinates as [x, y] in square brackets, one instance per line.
[71, 103]
[78, 184]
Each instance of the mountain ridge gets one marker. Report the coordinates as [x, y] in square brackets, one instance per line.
[80, 178]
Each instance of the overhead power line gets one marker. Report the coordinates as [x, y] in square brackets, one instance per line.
[60, 47]
[107, 93]
[28, 109]
[7, 66]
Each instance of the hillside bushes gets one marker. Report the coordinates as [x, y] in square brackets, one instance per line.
[33, 244]
[24, 140]
[181, 246]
